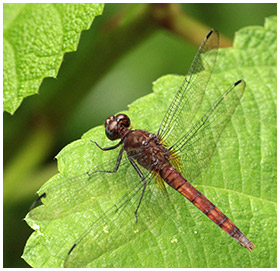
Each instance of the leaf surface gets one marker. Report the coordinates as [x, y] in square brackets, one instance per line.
[240, 179]
[36, 36]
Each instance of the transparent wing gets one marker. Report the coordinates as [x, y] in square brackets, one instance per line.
[71, 195]
[118, 224]
[188, 98]
[196, 147]
[94, 193]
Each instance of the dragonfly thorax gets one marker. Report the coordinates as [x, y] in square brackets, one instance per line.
[146, 149]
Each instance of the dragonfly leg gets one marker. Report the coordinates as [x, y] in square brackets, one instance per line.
[116, 166]
[144, 186]
[107, 148]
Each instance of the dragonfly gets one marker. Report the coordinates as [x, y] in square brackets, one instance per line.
[175, 155]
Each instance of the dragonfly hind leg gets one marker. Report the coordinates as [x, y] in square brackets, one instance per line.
[142, 177]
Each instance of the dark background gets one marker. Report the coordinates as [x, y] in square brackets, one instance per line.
[125, 50]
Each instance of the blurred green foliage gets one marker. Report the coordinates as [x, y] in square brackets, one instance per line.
[115, 63]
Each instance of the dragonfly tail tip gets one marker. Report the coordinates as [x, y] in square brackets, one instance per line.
[250, 246]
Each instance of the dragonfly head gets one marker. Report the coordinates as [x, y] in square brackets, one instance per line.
[116, 125]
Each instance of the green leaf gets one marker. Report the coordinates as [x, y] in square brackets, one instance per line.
[36, 36]
[240, 179]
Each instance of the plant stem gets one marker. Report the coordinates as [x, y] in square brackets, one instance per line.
[174, 19]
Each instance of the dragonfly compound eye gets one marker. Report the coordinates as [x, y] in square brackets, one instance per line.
[123, 120]
[111, 130]
[108, 120]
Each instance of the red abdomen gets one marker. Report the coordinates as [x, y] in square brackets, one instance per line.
[174, 178]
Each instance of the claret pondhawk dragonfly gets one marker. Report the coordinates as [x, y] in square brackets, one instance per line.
[155, 158]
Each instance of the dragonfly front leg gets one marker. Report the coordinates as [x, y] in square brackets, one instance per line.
[144, 185]
[116, 166]
[108, 148]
